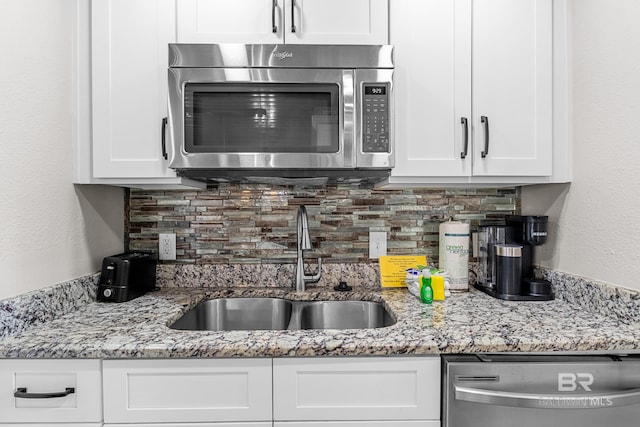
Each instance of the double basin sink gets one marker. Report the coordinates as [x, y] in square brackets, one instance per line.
[230, 314]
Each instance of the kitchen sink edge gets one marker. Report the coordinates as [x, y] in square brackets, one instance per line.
[313, 295]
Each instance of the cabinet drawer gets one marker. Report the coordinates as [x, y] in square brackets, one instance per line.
[37, 376]
[394, 423]
[402, 388]
[256, 424]
[187, 390]
[56, 425]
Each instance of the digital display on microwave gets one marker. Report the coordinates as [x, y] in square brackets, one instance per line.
[375, 90]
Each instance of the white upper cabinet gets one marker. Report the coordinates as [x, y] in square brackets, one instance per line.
[482, 90]
[283, 21]
[512, 87]
[474, 85]
[129, 70]
[223, 21]
[120, 80]
[432, 86]
[120, 68]
[337, 21]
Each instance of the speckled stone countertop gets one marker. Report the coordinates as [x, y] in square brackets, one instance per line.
[466, 322]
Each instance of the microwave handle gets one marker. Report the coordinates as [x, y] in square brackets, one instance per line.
[164, 138]
[293, 17]
[274, 6]
[626, 397]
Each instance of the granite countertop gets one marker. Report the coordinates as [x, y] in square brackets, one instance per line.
[466, 322]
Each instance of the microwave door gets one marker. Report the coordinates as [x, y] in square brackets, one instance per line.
[296, 119]
[262, 119]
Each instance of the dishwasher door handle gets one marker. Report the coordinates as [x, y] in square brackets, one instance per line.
[551, 401]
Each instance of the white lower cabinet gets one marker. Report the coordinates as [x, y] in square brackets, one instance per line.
[356, 391]
[262, 424]
[240, 392]
[43, 392]
[283, 392]
[52, 425]
[421, 423]
[148, 392]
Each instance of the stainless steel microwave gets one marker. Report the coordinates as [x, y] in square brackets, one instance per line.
[283, 111]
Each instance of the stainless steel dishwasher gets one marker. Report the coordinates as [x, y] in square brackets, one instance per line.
[486, 390]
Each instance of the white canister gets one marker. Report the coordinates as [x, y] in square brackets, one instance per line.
[454, 253]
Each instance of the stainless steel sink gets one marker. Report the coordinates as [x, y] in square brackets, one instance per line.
[344, 315]
[229, 314]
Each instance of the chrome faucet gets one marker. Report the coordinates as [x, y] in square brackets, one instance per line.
[304, 243]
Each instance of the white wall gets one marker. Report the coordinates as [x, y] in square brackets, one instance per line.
[595, 221]
[50, 230]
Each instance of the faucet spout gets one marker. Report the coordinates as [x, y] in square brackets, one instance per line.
[304, 243]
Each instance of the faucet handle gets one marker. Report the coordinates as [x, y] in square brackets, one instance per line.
[315, 277]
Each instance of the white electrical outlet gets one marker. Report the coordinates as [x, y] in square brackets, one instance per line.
[377, 244]
[167, 246]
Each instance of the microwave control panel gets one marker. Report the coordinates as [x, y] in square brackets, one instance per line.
[375, 118]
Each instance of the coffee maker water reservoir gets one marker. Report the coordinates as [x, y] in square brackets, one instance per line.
[490, 234]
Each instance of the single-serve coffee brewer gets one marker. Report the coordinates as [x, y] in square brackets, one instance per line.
[506, 259]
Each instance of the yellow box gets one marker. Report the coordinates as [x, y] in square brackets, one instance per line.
[437, 284]
[393, 269]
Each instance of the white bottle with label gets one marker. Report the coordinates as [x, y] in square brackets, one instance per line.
[454, 253]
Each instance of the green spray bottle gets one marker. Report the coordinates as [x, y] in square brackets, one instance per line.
[426, 291]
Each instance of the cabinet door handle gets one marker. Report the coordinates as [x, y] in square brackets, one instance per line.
[293, 17]
[23, 394]
[164, 138]
[465, 131]
[485, 125]
[274, 6]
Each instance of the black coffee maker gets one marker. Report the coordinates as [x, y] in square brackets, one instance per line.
[506, 259]
[526, 231]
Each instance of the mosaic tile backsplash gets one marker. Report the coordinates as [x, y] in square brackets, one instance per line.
[242, 223]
